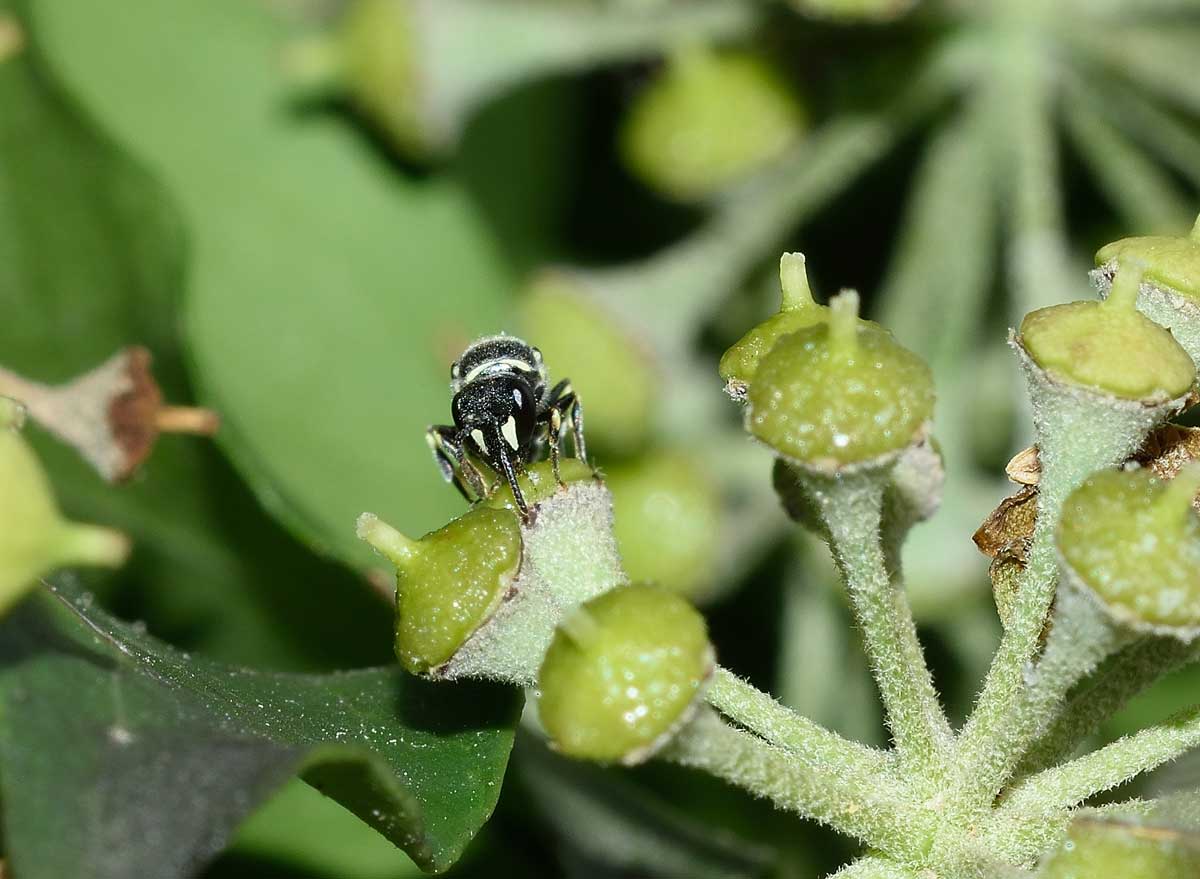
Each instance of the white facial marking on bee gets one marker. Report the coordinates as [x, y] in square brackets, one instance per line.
[509, 431]
[477, 435]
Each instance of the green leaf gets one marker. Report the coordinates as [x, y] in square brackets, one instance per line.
[326, 294]
[91, 254]
[121, 756]
[607, 818]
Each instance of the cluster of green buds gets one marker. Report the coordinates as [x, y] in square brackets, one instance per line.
[35, 539]
[418, 69]
[546, 603]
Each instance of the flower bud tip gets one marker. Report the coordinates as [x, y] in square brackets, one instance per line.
[385, 539]
[843, 323]
[793, 279]
[1125, 284]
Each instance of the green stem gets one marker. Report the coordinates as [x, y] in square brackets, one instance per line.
[1126, 674]
[758, 712]
[860, 804]
[852, 507]
[1078, 433]
[1028, 811]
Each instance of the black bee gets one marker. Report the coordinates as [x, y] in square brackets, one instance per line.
[504, 412]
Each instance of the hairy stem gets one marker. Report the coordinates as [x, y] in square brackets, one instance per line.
[852, 507]
[1122, 677]
[847, 799]
[1027, 813]
[758, 712]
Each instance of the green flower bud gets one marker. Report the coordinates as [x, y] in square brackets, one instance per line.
[1134, 541]
[622, 674]
[840, 393]
[34, 538]
[448, 583]
[797, 311]
[667, 522]
[854, 10]
[1170, 289]
[538, 483]
[588, 346]
[708, 120]
[1109, 347]
[1124, 848]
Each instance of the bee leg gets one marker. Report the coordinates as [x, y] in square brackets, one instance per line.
[562, 397]
[554, 436]
[510, 474]
[452, 461]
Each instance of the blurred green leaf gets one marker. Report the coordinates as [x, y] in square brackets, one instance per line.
[609, 819]
[327, 293]
[120, 756]
[90, 260]
[301, 828]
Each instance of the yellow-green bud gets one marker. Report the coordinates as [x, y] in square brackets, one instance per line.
[1123, 848]
[622, 674]
[1109, 347]
[586, 345]
[34, 538]
[709, 119]
[840, 393]
[667, 522]
[538, 484]
[448, 583]
[797, 311]
[1134, 541]
[1170, 289]
[1172, 262]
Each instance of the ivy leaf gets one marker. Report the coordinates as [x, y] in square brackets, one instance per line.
[120, 756]
[91, 254]
[326, 293]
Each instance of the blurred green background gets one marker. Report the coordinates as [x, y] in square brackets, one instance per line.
[305, 236]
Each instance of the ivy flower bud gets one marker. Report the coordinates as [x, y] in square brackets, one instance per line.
[1170, 289]
[1100, 847]
[840, 394]
[796, 311]
[667, 518]
[584, 342]
[622, 674]
[1134, 542]
[448, 583]
[708, 120]
[1109, 347]
[34, 538]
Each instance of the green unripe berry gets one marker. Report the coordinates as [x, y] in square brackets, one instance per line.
[34, 538]
[622, 674]
[840, 393]
[1170, 289]
[1109, 347]
[1098, 848]
[709, 119]
[1135, 542]
[667, 520]
[538, 483]
[448, 583]
[585, 344]
[797, 311]
[1172, 262]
